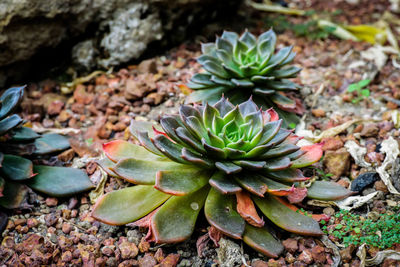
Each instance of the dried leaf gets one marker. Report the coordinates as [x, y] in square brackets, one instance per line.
[391, 148]
[357, 152]
[354, 201]
[301, 131]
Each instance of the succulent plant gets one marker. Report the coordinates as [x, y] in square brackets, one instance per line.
[239, 67]
[226, 159]
[17, 171]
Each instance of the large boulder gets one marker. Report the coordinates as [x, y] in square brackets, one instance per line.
[100, 33]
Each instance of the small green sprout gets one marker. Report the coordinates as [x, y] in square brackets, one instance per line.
[359, 88]
[355, 229]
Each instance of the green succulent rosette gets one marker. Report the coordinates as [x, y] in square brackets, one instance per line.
[223, 159]
[241, 66]
[17, 145]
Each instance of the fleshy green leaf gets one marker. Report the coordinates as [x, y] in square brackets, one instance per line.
[16, 168]
[10, 99]
[261, 240]
[286, 176]
[59, 181]
[223, 183]
[142, 171]
[182, 181]
[106, 164]
[9, 123]
[196, 159]
[280, 150]
[252, 182]
[323, 190]
[24, 134]
[312, 155]
[169, 149]
[127, 205]
[282, 101]
[278, 164]
[286, 73]
[277, 212]
[119, 149]
[175, 220]
[50, 143]
[14, 194]
[221, 213]
[228, 167]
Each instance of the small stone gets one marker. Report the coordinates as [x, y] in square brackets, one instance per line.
[50, 219]
[370, 130]
[51, 201]
[128, 250]
[318, 254]
[170, 261]
[64, 116]
[345, 254]
[147, 66]
[66, 228]
[363, 180]
[329, 211]
[391, 203]
[159, 255]
[259, 263]
[306, 256]
[290, 258]
[318, 112]
[147, 261]
[380, 186]
[108, 250]
[66, 256]
[290, 245]
[337, 162]
[144, 245]
[332, 143]
[55, 107]
[32, 222]
[67, 155]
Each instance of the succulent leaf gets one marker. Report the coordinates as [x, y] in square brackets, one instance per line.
[128, 204]
[261, 240]
[59, 181]
[16, 168]
[144, 172]
[221, 213]
[50, 143]
[284, 217]
[323, 190]
[176, 218]
[221, 182]
[180, 182]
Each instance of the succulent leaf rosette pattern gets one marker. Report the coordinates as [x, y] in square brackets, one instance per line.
[234, 162]
[241, 66]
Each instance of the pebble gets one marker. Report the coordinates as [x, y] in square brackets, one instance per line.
[380, 186]
[337, 162]
[363, 180]
[290, 245]
[306, 256]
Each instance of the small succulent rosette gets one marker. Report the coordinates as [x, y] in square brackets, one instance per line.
[241, 66]
[234, 162]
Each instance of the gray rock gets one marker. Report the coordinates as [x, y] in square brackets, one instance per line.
[120, 30]
[229, 253]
